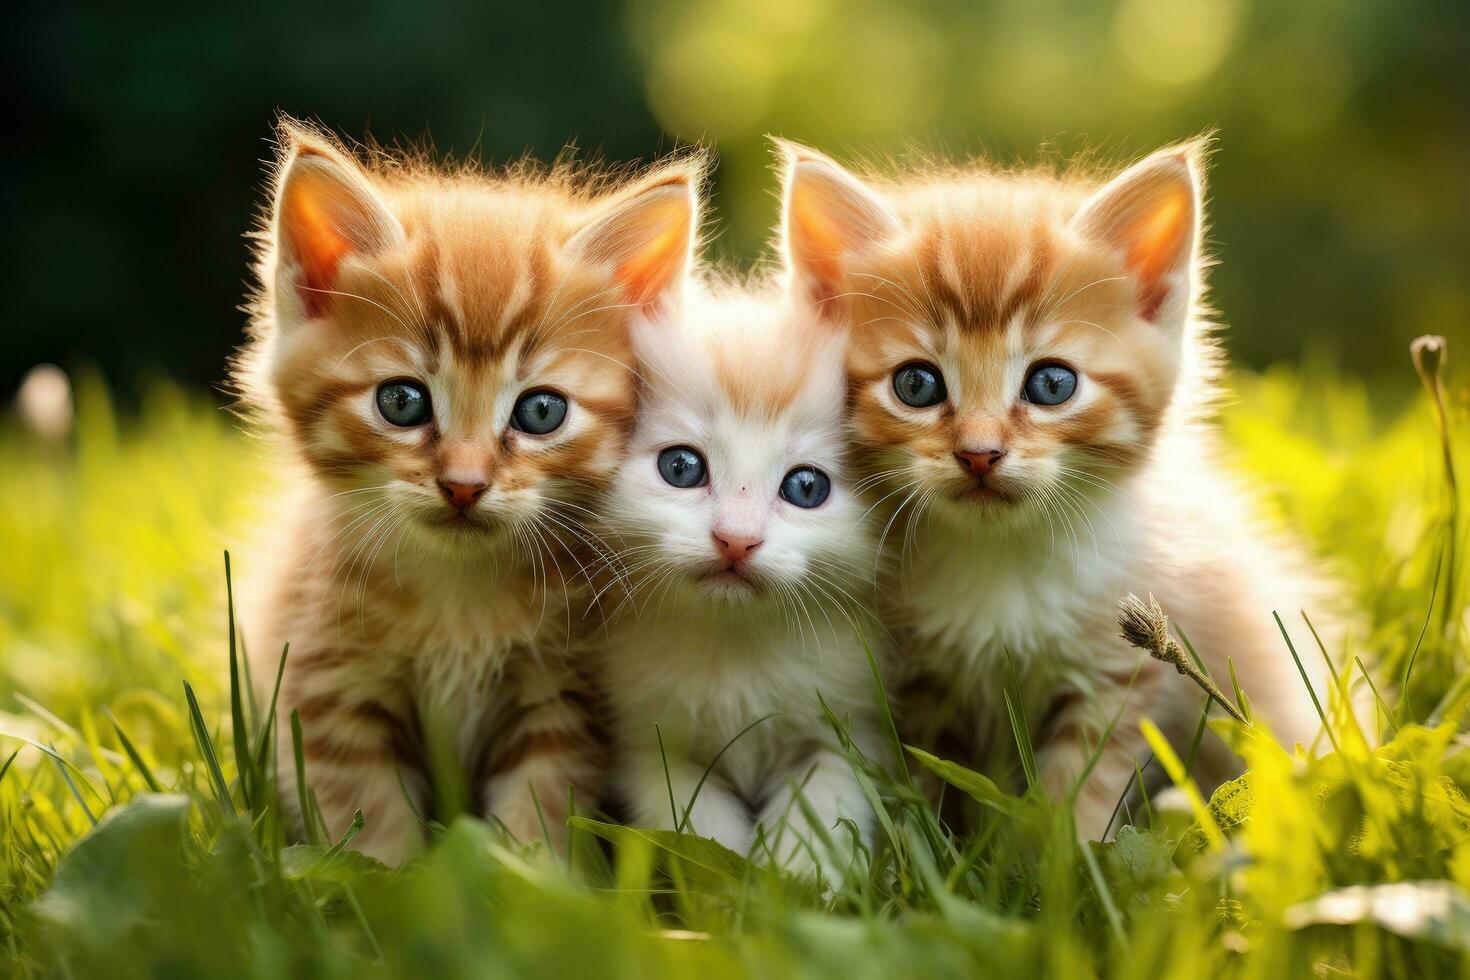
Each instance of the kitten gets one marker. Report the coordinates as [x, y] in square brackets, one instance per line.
[746, 553]
[444, 356]
[1029, 368]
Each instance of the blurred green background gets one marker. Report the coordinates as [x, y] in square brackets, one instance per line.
[134, 145]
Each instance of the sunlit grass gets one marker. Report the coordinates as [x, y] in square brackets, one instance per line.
[112, 595]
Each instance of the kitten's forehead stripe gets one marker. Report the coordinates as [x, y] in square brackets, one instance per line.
[984, 278]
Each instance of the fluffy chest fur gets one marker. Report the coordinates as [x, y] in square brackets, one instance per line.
[450, 641]
[1043, 593]
[703, 676]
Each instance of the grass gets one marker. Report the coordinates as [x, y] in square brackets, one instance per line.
[138, 831]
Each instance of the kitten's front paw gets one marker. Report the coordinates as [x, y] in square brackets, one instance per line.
[810, 857]
[530, 825]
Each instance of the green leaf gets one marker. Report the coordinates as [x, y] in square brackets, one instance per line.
[121, 874]
[1139, 857]
[981, 789]
[318, 862]
[704, 853]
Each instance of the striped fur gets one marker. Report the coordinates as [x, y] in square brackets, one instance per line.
[412, 623]
[985, 274]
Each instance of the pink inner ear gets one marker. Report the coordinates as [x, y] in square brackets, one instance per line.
[317, 246]
[818, 254]
[1158, 242]
[830, 216]
[648, 275]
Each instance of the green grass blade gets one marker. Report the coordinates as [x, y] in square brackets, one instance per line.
[1451, 699]
[668, 778]
[1199, 737]
[1424, 628]
[1164, 752]
[263, 746]
[1016, 712]
[540, 817]
[71, 785]
[239, 734]
[1331, 735]
[1107, 735]
[413, 805]
[206, 749]
[681, 825]
[56, 757]
[1148, 806]
[1377, 697]
[353, 829]
[885, 714]
[314, 834]
[1241, 701]
[133, 753]
[856, 761]
[1104, 895]
[1136, 779]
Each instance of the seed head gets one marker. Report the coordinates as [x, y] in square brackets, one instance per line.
[1429, 352]
[1145, 626]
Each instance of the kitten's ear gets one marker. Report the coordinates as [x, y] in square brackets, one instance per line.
[325, 210]
[1151, 214]
[647, 234]
[828, 216]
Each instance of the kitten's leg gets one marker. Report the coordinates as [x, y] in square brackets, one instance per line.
[355, 748]
[717, 812]
[548, 750]
[828, 785]
[1077, 724]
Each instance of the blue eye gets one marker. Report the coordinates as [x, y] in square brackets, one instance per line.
[1049, 384]
[404, 403]
[539, 412]
[806, 486]
[681, 467]
[919, 385]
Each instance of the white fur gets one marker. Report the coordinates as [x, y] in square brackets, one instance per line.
[703, 660]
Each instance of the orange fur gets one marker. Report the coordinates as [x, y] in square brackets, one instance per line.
[985, 275]
[410, 621]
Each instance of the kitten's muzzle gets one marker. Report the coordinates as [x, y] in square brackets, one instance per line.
[980, 466]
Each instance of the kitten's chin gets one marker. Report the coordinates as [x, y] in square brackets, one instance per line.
[461, 531]
[973, 504]
[728, 585]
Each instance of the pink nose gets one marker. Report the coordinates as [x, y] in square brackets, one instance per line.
[461, 495]
[733, 547]
[979, 462]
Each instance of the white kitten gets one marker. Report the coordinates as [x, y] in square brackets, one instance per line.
[746, 558]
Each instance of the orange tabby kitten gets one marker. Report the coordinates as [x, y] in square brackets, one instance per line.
[444, 356]
[1028, 371]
